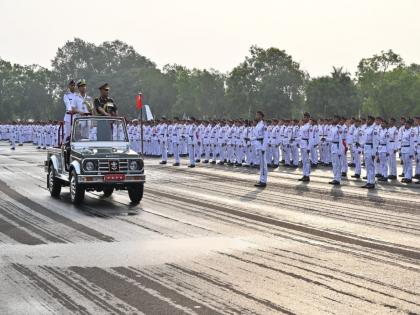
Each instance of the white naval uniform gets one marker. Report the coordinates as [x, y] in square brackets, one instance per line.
[69, 104]
[260, 141]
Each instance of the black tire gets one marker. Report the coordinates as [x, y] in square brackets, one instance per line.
[108, 191]
[53, 183]
[135, 192]
[77, 192]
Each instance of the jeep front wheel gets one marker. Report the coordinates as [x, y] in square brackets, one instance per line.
[135, 192]
[77, 192]
[54, 184]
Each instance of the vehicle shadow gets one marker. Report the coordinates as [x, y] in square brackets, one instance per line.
[102, 207]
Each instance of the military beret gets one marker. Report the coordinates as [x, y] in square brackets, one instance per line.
[104, 86]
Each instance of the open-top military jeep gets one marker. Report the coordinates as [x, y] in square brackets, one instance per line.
[97, 157]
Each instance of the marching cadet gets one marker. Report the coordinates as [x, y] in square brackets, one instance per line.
[163, 140]
[370, 151]
[383, 151]
[356, 147]
[314, 142]
[230, 143]
[287, 142]
[221, 142]
[344, 164]
[305, 149]
[214, 141]
[135, 135]
[176, 137]
[206, 141]
[260, 140]
[336, 139]
[13, 135]
[392, 149]
[193, 140]
[407, 143]
[417, 147]
[69, 103]
[170, 131]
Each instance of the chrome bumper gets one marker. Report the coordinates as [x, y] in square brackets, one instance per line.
[99, 179]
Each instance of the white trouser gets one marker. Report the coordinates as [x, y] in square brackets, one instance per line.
[263, 167]
[383, 162]
[191, 153]
[370, 167]
[407, 165]
[306, 163]
[336, 164]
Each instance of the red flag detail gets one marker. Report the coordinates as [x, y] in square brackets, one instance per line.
[139, 101]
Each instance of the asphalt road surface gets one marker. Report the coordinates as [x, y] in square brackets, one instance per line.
[205, 241]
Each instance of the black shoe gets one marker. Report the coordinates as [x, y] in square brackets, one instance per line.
[175, 164]
[213, 162]
[191, 166]
[406, 181]
[417, 176]
[364, 177]
[383, 179]
[197, 161]
[205, 161]
[351, 165]
[392, 177]
[261, 185]
[343, 174]
[402, 175]
[275, 166]
[12, 148]
[162, 162]
[221, 163]
[355, 176]
[369, 186]
[335, 183]
[418, 183]
[304, 179]
[314, 165]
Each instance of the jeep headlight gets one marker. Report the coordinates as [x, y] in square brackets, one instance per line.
[90, 166]
[134, 166]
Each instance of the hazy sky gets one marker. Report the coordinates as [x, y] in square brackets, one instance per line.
[216, 34]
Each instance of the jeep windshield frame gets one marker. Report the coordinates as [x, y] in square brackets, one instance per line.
[94, 129]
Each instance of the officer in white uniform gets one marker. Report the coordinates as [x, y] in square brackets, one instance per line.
[305, 149]
[163, 140]
[335, 138]
[69, 103]
[370, 152]
[261, 143]
[392, 149]
[407, 149]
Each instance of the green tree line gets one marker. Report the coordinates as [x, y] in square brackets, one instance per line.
[268, 80]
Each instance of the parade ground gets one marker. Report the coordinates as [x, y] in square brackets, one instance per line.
[206, 241]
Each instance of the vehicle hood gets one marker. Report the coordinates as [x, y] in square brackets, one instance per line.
[116, 150]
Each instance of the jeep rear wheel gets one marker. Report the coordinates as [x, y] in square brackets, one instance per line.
[108, 191]
[54, 184]
[135, 192]
[77, 192]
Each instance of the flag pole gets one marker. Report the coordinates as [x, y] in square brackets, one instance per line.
[141, 125]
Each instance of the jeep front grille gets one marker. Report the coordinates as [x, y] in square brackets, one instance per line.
[104, 166]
